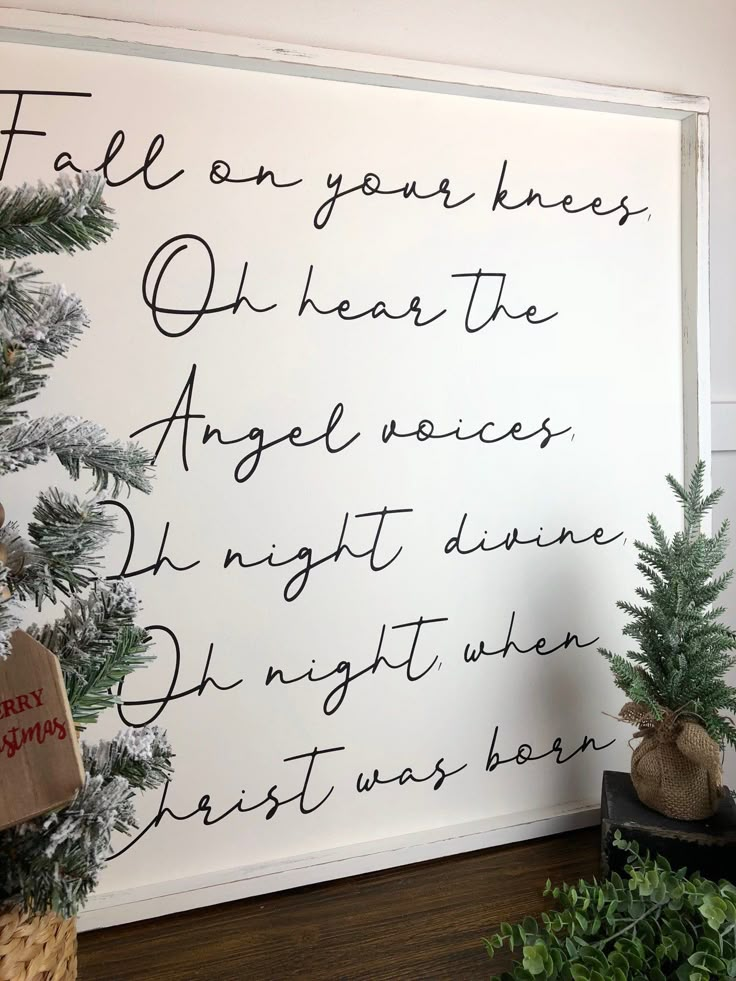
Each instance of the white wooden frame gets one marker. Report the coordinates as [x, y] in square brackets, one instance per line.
[176, 44]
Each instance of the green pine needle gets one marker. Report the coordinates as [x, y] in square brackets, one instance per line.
[53, 218]
[683, 650]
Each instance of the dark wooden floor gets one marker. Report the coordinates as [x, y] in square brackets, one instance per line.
[417, 923]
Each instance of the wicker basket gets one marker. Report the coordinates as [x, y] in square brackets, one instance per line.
[37, 948]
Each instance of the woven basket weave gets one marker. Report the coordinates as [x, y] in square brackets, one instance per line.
[37, 948]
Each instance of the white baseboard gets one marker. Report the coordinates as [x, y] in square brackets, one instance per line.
[159, 899]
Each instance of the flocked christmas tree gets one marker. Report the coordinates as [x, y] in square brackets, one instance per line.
[53, 861]
[682, 657]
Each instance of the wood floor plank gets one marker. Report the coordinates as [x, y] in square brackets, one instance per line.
[417, 923]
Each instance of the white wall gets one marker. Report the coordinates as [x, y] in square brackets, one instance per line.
[677, 45]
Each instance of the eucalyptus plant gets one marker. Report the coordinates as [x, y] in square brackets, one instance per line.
[655, 924]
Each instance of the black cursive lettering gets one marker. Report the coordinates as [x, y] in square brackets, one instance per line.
[343, 309]
[166, 253]
[272, 801]
[161, 558]
[512, 538]
[371, 184]
[160, 703]
[426, 430]
[364, 783]
[566, 203]
[64, 161]
[220, 173]
[248, 464]
[348, 675]
[305, 554]
[14, 130]
[498, 309]
[540, 646]
[525, 753]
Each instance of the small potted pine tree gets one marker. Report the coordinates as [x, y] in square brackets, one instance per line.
[675, 677]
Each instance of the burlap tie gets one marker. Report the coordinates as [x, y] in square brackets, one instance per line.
[676, 768]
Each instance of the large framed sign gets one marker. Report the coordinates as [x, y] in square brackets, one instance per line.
[413, 346]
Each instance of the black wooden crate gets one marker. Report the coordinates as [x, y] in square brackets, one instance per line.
[708, 847]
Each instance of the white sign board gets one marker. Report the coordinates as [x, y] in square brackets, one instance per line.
[411, 365]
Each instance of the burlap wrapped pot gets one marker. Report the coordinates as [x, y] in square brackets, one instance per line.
[676, 768]
[37, 948]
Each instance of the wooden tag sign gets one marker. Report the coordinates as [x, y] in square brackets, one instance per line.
[40, 761]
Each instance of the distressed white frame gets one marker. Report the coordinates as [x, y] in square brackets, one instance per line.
[199, 47]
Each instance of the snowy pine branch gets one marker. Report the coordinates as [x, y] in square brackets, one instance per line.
[64, 551]
[38, 323]
[77, 444]
[65, 548]
[52, 218]
[9, 619]
[70, 533]
[57, 858]
[18, 302]
[142, 756]
[98, 645]
[54, 861]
